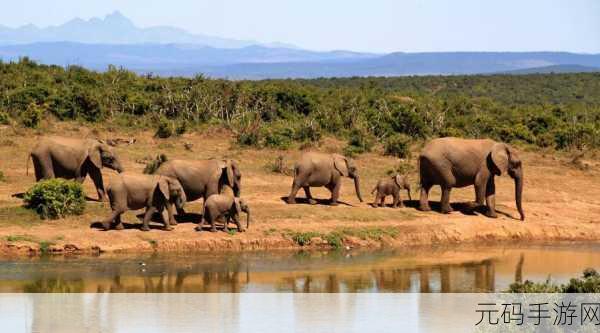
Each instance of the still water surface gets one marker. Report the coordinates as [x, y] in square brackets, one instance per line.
[463, 269]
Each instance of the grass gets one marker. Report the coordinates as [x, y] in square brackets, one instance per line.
[20, 238]
[336, 237]
[18, 215]
[44, 245]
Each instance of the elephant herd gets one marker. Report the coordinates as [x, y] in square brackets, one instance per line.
[447, 162]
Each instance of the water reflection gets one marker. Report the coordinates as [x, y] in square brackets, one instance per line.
[471, 270]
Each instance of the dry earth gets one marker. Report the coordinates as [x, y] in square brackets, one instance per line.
[561, 202]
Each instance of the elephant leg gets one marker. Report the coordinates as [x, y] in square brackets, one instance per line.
[213, 217]
[149, 212]
[96, 176]
[335, 192]
[167, 217]
[397, 201]
[201, 223]
[446, 209]
[119, 223]
[171, 212]
[309, 195]
[382, 200]
[236, 219]
[490, 198]
[424, 200]
[116, 213]
[225, 224]
[292, 197]
[43, 168]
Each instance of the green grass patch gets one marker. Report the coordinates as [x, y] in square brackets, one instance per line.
[56, 198]
[19, 216]
[20, 238]
[589, 282]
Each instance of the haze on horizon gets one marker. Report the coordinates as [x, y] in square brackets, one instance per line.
[375, 26]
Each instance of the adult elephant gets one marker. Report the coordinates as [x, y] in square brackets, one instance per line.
[320, 169]
[74, 159]
[454, 162]
[203, 178]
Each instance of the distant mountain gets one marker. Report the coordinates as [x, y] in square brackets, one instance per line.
[261, 62]
[556, 69]
[116, 29]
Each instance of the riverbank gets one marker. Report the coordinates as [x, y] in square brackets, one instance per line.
[561, 202]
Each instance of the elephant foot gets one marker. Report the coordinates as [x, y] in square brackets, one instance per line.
[173, 222]
[312, 201]
[106, 226]
[119, 226]
[334, 203]
[145, 228]
[198, 228]
[213, 229]
[241, 230]
[491, 214]
[169, 228]
[424, 208]
[291, 201]
[447, 210]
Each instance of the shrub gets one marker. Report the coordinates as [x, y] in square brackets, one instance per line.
[278, 137]
[308, 131]
[398, 145]
[589, 282]
[360, 141]
[164, 129]
[4, 118]
[181, 128]
[56, 198]
[32, 116]
[2, 176]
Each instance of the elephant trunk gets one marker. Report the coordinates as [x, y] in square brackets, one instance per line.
[237, 189]
[519, 193]
[247, 218]
[357, 188]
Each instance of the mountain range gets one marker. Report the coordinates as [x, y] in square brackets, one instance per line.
[115, 40]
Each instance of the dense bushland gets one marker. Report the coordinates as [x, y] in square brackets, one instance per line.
[56, 198]
[546, 110]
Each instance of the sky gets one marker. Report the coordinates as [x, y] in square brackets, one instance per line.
[359, 25]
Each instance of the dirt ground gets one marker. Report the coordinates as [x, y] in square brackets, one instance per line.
[561, 202]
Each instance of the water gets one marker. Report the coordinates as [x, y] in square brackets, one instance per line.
[457, 270]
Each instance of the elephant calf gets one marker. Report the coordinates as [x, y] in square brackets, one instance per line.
[226, 206]
[391, 186]
[137, 191]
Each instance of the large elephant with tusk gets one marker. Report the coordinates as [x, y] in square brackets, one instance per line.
[454, 162]
[319, 169]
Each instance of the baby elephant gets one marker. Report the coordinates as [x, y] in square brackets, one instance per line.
[226, 206]
[391, 186]
[137, 191]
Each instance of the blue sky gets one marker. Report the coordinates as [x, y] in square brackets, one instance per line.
[367, 25]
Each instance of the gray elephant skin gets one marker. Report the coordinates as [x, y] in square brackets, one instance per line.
[227, 208]
[70, 158]
[203, 178]
[319, 169]
[454, 162]
[391, 186]
[131, 191]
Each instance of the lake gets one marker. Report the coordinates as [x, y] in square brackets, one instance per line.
[458, 269]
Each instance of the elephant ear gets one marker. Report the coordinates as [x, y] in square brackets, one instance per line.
[93, 153]
[163, 187]
[226, 172]
[341, 164]
[499, 156]
[399, 181]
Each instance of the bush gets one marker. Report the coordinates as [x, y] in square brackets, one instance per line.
[588, 283]
[164, 129]
[360, 141]
[2, 176]
[32, 116]
[398, 145]
[56, 198]
[4, 118]
[181, 128]
[308, 131]
[155, 164]
[278, 137]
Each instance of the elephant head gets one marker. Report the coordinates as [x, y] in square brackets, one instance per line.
[503, 159]
[101, 154]
[171, 190]
[232, 176]
[176, 192]
[403, 183]
[347, 168]
[242, 206]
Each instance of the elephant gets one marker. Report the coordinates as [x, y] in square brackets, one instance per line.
[136, 191]
[227, 207]
[321, 169]
[74, 159]
[203, 178]
[391, 186]
[455, 162]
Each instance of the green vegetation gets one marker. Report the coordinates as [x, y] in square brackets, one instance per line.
[2, 177]
[588, 283]
[154, 164]
[561, 111]
[336, 237]
[56, 198]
